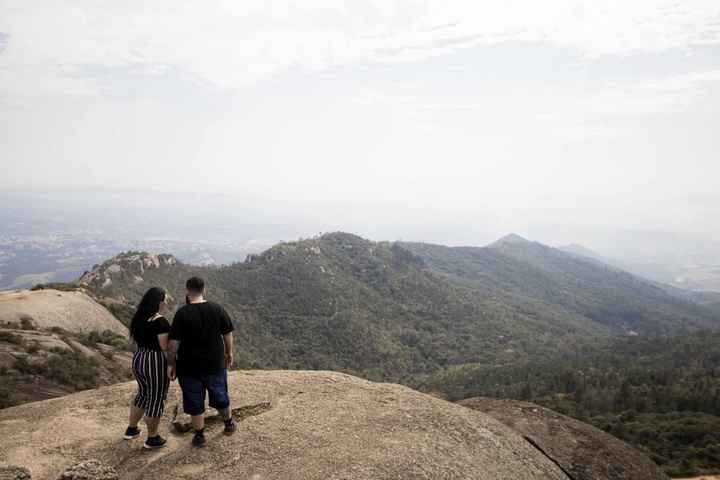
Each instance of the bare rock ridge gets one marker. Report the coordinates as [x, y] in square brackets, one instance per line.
[126, 268]
[581, 450]
[293, 425]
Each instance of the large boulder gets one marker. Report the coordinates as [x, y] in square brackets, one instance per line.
[581, 450]
[73, 311]
[292, 425]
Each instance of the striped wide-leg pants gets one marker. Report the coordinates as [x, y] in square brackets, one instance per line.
[150, 369]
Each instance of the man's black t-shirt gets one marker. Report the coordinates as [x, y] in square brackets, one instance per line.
[146, 334]
[199, 328]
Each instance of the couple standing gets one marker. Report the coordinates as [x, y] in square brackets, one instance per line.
[197, 350]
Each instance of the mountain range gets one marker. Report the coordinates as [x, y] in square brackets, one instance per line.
[398, 311]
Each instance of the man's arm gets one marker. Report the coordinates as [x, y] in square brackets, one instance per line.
[229, 350]
[172, 350]
[226, 330]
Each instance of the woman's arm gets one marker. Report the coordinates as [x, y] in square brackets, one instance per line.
[163, 341]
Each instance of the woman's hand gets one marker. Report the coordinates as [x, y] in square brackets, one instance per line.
[172, 372]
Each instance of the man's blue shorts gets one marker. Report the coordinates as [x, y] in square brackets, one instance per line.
[194, 387]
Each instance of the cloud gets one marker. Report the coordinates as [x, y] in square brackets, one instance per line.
[233, 44]
[668, 94]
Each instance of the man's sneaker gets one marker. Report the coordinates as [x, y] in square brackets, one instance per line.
[131, 432]
[154, 442]
[199, 439]
[230, 427]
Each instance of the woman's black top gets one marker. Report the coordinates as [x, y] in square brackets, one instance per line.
[147, 333]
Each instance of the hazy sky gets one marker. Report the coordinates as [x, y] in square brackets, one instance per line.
[436, 114]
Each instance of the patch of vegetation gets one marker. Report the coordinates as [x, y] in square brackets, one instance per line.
[62, 286]
[66, 367]
[121, 311]
[106, 337]
[27, 323]
[9, 337]
[6, 397]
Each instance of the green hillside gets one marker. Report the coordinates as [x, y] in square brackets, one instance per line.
[344, 303]
[521, 271]
[400, 312]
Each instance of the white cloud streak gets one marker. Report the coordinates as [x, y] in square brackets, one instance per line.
[232, 44]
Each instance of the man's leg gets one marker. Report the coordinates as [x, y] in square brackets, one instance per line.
[194, 404]
[220, 399]
[198, 422]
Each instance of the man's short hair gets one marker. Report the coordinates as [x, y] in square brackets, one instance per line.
[195, 284]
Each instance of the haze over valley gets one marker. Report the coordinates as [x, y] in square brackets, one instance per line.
[56, 236]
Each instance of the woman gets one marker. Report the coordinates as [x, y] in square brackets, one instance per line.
[150, 331]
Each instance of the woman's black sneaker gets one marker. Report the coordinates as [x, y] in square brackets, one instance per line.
[199, 439]
[230, 427]
[154, 442]
[131, 432]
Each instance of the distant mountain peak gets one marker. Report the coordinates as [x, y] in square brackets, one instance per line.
[511, 239]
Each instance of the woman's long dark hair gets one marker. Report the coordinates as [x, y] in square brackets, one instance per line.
[148, 306]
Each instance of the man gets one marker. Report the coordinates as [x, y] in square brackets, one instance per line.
[199, 353]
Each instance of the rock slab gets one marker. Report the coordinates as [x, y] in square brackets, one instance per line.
[293, 425]
[581, 450]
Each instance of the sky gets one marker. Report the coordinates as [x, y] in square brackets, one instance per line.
[451, 120]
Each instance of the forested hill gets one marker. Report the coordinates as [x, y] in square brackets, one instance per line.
[344, 303]
[398, 311]
[522, 272]
[661, 394]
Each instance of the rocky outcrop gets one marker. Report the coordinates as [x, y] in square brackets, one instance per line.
[292, 425]
[581, 450]
[127, 267]
[73, 311]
